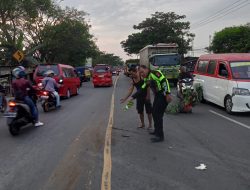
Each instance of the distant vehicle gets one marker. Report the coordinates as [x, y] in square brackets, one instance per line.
[225, 79]
[102, 76]
[66, 74]
[115, 71]
[164, 57]
[84, 73]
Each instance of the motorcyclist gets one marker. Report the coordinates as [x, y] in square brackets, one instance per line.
[160, 87]
[21, 88]
[183, 75]
[51, 85]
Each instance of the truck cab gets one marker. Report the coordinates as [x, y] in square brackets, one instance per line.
[164, 57]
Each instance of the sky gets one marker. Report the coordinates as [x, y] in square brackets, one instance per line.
[112, 20]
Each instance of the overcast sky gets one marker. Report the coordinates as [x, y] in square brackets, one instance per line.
[112, 20]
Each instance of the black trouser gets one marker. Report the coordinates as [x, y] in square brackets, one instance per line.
[159, 107]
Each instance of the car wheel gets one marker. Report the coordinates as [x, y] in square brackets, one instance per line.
[229, 104]
[68, 94]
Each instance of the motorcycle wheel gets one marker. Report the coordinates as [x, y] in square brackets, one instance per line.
[46, 107]
[14, 129]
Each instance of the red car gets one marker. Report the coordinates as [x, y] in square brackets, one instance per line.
[66, 74]
[102, 76]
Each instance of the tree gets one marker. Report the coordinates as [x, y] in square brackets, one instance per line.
[68, 42]
[160, 28]
[13, 16]
[107, 58]
[232, 39]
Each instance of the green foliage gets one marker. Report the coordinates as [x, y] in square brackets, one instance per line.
[68, 42]
[232, 39]
[109, 59]
[188, 97]
[160, 28]
[13, 16]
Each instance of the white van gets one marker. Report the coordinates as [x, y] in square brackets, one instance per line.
[225, 79]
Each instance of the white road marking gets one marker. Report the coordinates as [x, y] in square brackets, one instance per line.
[229, 119]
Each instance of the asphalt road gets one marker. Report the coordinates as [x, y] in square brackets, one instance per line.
[67, 153]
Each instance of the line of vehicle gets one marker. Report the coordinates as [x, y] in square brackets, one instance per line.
[229, 119]
[107, 161]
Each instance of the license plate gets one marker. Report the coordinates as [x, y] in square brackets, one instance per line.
[9, 115]
[101, 76]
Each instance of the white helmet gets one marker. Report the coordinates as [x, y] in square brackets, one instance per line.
[16, 72]
[49, 72]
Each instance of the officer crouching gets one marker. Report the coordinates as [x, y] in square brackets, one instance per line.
[160, 87]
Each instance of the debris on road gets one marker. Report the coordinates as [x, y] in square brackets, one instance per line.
[125, 136]
[201, 167]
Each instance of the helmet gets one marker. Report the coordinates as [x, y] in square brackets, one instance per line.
[19, 72]
[21, 67]
[16, 72]
[49, 72]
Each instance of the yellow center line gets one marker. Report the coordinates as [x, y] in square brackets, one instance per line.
[107, 162]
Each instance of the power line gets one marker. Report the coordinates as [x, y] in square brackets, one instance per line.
[217, 13]
[229, 11]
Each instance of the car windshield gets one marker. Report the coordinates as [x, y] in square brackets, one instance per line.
[100, 69]
[42, 69]
[167, 60]
[241, 70]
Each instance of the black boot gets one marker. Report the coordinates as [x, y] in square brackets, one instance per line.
[157, 139]
[152, 133]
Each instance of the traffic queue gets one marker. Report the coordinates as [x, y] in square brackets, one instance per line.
[51, 82]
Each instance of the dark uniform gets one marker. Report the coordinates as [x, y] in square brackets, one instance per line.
[160, 86]
[141, 100]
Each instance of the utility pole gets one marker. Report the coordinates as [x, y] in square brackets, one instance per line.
[210, 44]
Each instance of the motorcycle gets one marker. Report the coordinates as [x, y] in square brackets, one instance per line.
[18, 116]
[186, 94]
[47, 99]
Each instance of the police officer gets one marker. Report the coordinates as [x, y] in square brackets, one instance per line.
[160, 87]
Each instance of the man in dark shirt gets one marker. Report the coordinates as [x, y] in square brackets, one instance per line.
[21, 88]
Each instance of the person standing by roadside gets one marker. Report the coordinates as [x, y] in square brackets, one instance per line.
[160, 87]
[143, 100]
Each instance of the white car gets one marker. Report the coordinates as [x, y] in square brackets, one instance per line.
[225, 80]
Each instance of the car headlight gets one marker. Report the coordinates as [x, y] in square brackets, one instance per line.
[241, 91]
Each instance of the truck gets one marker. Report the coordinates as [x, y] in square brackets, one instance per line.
[164, 57]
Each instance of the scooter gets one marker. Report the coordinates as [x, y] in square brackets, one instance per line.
[48, 100]
[18, 116]
[186, 94]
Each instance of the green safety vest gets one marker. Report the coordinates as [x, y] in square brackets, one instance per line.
[159, 78]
